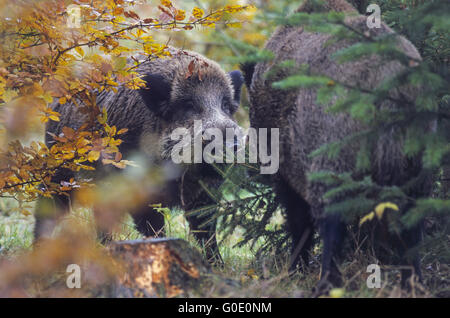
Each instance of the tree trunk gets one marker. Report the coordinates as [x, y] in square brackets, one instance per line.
[157, 268]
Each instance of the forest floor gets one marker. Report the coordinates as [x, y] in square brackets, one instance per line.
[243, 275]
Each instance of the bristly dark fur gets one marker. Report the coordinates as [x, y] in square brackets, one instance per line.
[248, 69]
[305, 126]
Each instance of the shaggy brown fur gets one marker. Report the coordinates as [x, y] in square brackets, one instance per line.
[177, 94]
[305, 126]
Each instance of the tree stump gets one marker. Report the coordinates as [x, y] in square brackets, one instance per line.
[156, 268]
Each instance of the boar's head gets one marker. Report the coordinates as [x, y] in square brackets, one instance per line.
[186, 88]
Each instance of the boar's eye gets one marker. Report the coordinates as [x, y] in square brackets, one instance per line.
[187, 107]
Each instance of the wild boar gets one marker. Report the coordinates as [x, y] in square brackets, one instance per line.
[305, 126]
[181, 89]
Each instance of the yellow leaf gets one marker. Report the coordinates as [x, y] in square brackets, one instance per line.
[166, 3]
[79, 50]
[93, 155]
[337, 292]
[181, 15]
[54, 117]
[122, 131]
[234, 25]
[25, 212]
[251, 273]
[139, 32]
[234, 8]
[68, 156]
[85, 167]
[367, 217]
[379, 210]
[62, 100]
[197, 12]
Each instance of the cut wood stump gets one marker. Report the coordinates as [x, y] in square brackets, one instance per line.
[157, 268]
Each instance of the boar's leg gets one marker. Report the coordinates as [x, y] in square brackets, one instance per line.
[49, 210]
[332, 231]
[300, 222]
[411, 238]
[206, 234]
[103, 226]
[405, 246]
[399, 249]
[193, 197]
[203, 224]
[149, 222]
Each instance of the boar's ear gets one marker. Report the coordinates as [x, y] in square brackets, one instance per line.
[237, 80]
[156, 94]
